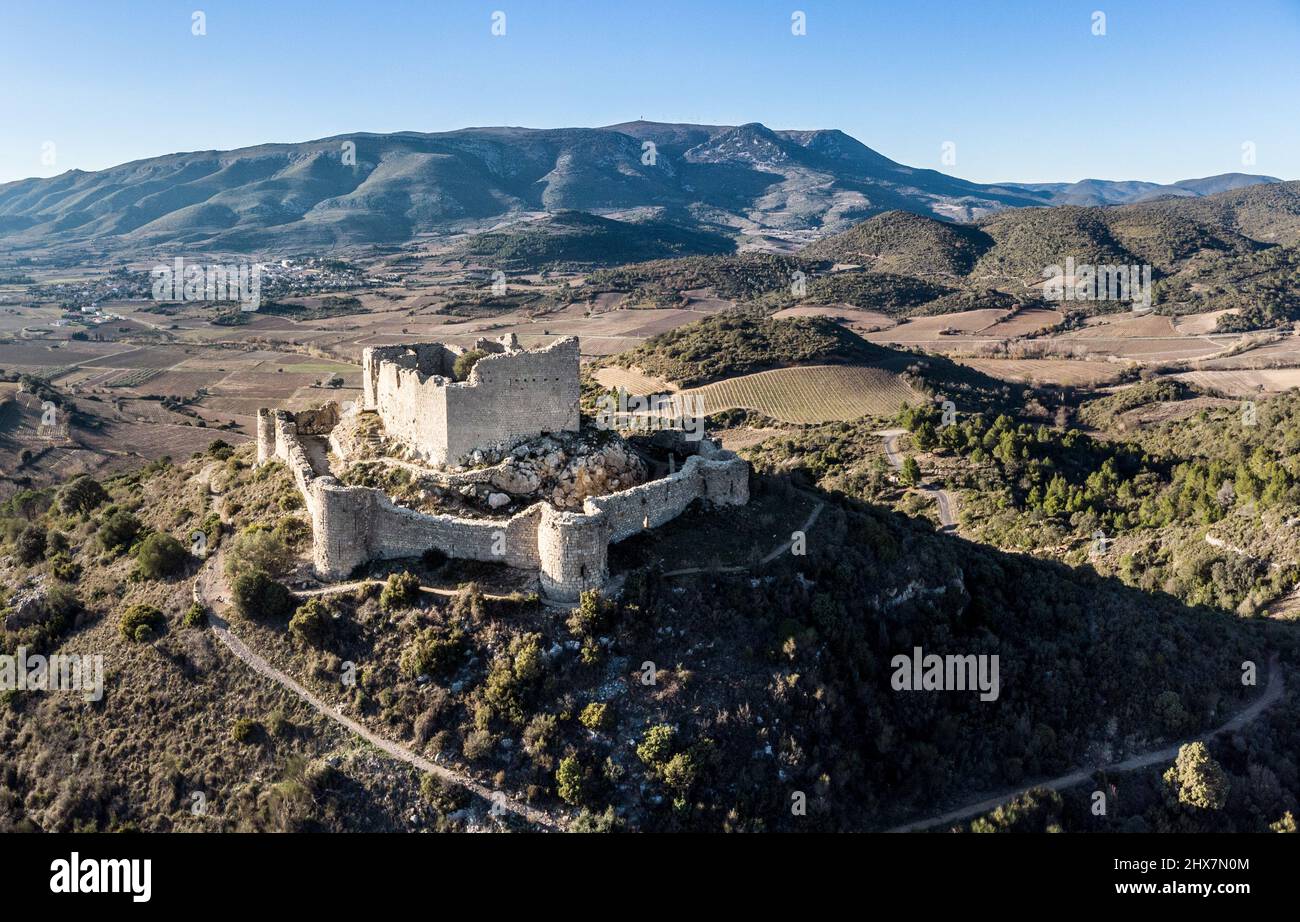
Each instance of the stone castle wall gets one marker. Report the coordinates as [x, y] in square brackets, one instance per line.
[511, 395]
[569, 550]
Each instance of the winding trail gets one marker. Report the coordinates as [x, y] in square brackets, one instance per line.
[210, 591]
[943, 499]
[1272, 694]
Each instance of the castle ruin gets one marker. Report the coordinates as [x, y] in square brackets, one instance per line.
[511, 395]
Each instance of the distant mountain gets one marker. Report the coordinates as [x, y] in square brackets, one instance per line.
[366, 188]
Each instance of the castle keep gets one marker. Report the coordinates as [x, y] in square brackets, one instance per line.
[512, 395]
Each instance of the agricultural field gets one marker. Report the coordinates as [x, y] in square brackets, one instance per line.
[632, 380]
[1069, 372]
[810, 394]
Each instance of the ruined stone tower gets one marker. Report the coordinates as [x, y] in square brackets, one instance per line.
[512, 395]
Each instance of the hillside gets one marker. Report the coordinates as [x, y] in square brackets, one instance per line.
[907, 244]
[574, 238]
[721, 356]
[792, 666]
[1235, 248]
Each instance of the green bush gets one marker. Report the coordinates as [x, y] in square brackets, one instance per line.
[587, 821]
[195, 616]
[257, 548]
[400, 591]
[444, 796]
[433, 652]
[310, 623]
[30, 546]
[65, 568]
[680, 772]
[595, 716]
[568, 780]
[245, 730]
[82, 495]
[656, 745]
[141, 622]
[260, 598]
[465, 363]
[160, 555]
[118, 531]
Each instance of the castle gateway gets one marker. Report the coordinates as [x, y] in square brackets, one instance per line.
[476, 438]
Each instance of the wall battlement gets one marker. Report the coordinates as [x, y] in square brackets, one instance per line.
[569, 550]
[512, 394]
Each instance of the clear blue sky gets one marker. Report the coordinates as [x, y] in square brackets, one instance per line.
[1024, 89]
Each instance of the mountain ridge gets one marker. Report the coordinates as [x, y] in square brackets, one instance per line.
[364, 188]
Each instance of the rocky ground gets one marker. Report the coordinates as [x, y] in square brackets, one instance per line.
[563, 469]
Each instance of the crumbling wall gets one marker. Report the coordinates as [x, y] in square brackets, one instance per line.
[569, 550]
[511, 395]
[723, 480]
[354, 525]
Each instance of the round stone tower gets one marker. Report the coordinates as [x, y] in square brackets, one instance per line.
[574, 550]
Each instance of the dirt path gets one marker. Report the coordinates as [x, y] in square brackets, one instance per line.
[944, 500]
[337, 588]
[210, 590]
[1272, 694]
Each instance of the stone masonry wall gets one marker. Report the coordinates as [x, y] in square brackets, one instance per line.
[511, 395]
[569, 550]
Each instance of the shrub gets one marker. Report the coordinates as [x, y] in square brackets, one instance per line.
[400, 591]
[433, 652]
[593, 615]
[118, 531]
[586, 821]
[160, 556]
[1197, 779]
[82, 495]
[478, 745]
[257, 548]
[60, 605]
[65, 568]
[568, 780]
[442, 795]
[465, 363]
[260, 598]
[291, 530]
[195, 616]
[310, 623]
[30, 546]
[656, 745]
[140, 622]
[680, 772]
[244, 730]
[595, 715]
